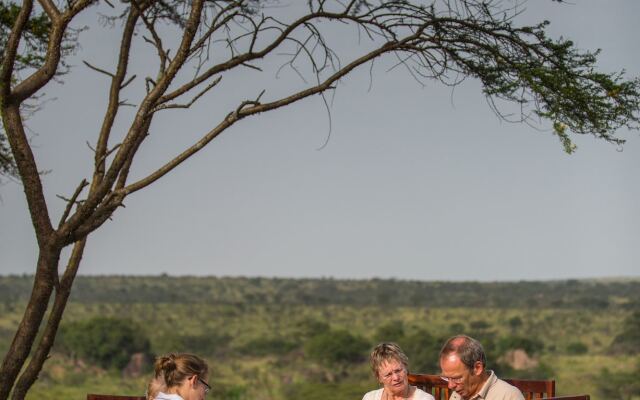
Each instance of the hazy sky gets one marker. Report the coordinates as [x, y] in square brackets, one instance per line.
[414, 182]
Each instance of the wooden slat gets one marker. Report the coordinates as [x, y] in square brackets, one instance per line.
[572, 397]
[534, 389]
[113, 397]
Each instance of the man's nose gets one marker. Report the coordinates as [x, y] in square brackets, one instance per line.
[451, 384]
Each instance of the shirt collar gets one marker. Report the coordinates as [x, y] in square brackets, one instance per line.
[482, 393]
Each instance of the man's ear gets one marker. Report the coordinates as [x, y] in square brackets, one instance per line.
[478, 368]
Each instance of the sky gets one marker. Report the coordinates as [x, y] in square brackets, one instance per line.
[414, 182]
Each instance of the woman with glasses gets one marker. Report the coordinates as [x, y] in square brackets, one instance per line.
[390, 367]
[181, 376]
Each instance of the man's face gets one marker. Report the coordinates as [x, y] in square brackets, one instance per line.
[466, 382]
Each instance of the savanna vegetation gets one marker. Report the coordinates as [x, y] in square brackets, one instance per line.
[290, 338]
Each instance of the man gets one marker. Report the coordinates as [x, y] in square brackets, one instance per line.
[463, 363]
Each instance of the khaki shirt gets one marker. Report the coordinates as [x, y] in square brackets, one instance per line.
[494, 389]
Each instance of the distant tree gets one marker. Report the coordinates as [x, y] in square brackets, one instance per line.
[423, 350]
[264, 346]
[577, 348]
[392, 331]
[337, 348]
[623, 385]
[456, 328]
[530, 345]
[479, 325]
[515, 323]
[107, 342]
[446, 41]
[628, 341]
[309, 327]
[207, 344]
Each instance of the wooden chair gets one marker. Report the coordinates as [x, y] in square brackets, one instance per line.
[112, 397]
[572, 397]
[531, 389]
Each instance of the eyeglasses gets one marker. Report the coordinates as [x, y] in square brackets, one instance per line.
[207, 387]
[452, 380]
[398, 371]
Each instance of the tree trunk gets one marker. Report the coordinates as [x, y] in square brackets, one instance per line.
[41, 353]
[43, 284]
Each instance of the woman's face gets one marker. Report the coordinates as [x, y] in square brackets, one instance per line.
[393, 375]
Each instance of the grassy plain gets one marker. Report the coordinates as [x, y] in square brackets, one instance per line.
[256, 350]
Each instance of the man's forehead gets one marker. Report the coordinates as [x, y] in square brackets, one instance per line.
[451, 362]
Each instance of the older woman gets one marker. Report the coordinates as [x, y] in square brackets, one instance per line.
[390, 367]
[180, 377]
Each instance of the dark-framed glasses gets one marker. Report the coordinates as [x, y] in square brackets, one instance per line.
[207, 387]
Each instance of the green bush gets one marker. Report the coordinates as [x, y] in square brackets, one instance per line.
[531, 346]
[390, 332]
[619, 385]
[208, 344]
[423, 350]
[308, 328]
[515, 323]
[337, 347]
[267, 346]
[107, 342]
[577, 348]
[628, 341]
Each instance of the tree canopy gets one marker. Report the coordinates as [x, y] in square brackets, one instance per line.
[198, 43]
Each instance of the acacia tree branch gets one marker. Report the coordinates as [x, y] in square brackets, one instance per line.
[124, 174]
[137, 129]
[242, 112]
[192, 101]
[157, 41]
[72, 201]
[11, 49]
[107, 73]
[241, 59]
[46, 72]
[114, 99]
[29, 173]
[51, 9]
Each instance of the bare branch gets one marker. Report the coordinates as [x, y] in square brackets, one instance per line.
[190, 103]
[72, 201]
[125, 84]
[109, 74]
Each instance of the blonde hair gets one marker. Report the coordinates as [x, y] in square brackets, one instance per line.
[174, 368]
[385, 352]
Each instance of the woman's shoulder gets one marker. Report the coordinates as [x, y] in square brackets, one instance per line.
[167, 396]
[422, 395]
[373, 395]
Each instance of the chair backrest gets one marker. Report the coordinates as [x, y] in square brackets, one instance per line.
[112, 397]
[571, 397]
[431, 384]
[534, 389]
[531, 389]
